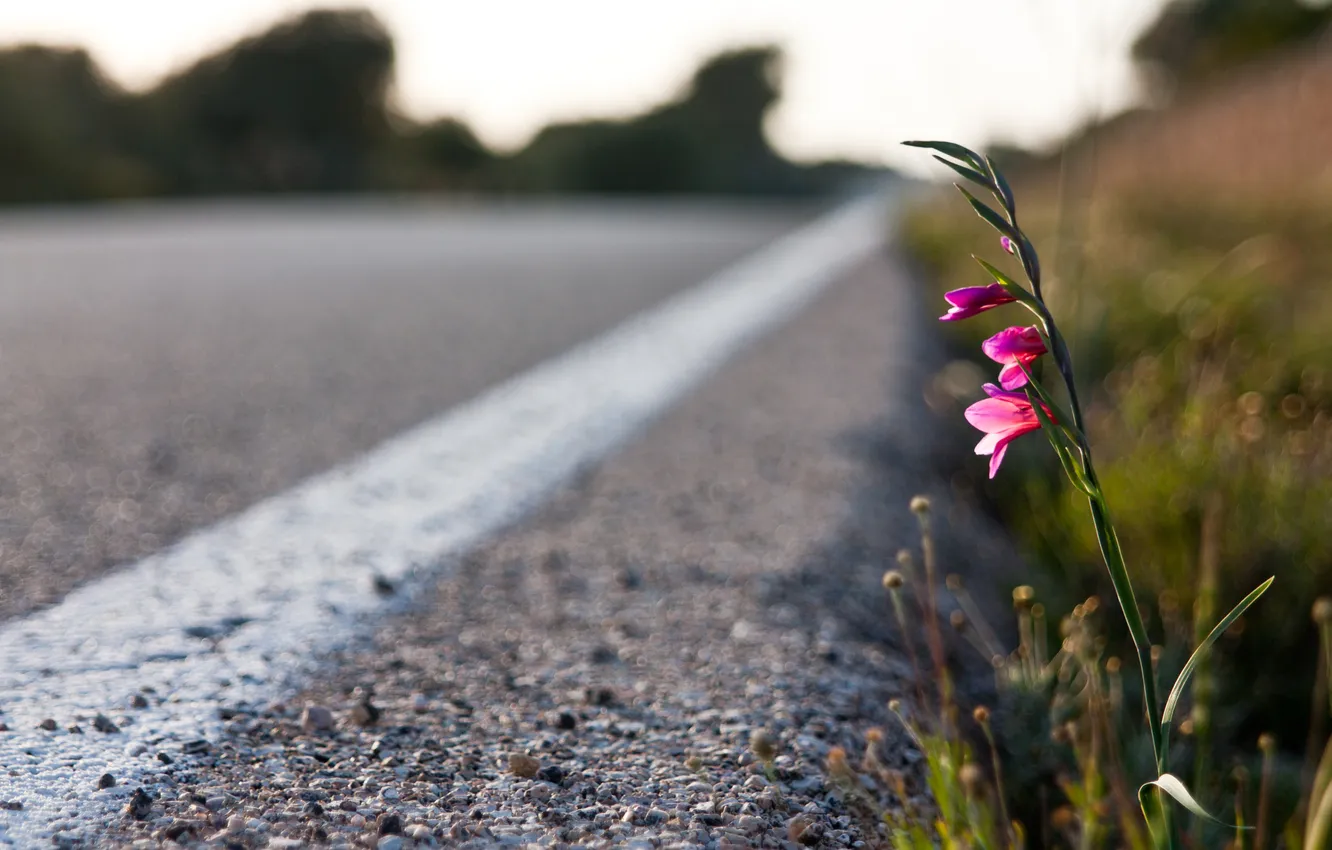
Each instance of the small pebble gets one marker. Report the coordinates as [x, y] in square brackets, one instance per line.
[389, 824]
[138, 701]
[364, 713]
[48, 724]
[102, 723]
[106, 781]
[140, 805]
[316, 718]
[524, 765]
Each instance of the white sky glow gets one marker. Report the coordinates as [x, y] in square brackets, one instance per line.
[860, 75]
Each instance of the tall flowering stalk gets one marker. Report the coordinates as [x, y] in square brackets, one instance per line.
[1020, 404]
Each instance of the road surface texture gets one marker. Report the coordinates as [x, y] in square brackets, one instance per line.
[596, 675]
[163, 367]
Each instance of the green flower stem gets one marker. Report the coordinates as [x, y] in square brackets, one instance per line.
[1119, 577]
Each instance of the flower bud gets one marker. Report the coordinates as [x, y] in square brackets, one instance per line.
[1322, 610]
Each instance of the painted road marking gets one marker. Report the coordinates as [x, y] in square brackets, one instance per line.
[236, 614]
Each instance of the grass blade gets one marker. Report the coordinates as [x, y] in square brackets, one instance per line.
[1178, 690]
[1170, 784]
[956, 151]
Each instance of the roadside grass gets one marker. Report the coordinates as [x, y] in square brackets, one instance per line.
[1203, 333]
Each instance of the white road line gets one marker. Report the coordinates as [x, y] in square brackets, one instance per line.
[236, 614]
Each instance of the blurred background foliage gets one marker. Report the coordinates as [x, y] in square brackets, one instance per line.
[1198, 306]
[307, 106]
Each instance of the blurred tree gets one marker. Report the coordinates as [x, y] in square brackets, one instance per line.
[303, 106]
[1192, 41]
[709, 139]
[59, 129]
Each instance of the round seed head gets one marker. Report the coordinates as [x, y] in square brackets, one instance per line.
[762, 745]
[904, 557]
[1063, 818]
[920, 505]
[973, 779]
[957, 620]
[874, 736]
[892, 580]
[1093, 602]
[1267, 742]
[981, 715]
[1113, 665]
[1038, 610]
[838, 766]
[1322, 610]
[895, 706]
[1023, 595]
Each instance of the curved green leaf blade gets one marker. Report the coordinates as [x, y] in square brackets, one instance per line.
[970, 173]
[1000, 184]
[1177, 690]
[987, 213]
[1170, 784]
[956, 151]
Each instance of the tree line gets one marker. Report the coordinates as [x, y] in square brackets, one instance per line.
[305, 107]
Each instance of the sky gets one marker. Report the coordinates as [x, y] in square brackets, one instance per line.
[859, 76]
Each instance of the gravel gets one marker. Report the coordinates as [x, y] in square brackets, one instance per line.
[614, 670]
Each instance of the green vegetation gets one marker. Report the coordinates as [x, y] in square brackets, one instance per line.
[306, 107]
[1200, 332]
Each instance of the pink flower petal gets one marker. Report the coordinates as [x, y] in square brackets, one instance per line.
[998, 458]
[999, 416]
[1011, 377]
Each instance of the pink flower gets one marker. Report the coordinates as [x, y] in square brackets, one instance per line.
[973, 300]
[1010, 347]
[1004, 417]
[1008, 244]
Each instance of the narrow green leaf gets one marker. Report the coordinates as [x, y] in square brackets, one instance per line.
[1062, 421]
[1178, 690]
[1063, 450]
[1030, 263]
[956, 151]
[1013, 288]
[986, 212]
[1170, 784]
[970, 173]
[1001, 185]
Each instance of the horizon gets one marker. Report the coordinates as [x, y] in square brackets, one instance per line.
[857, 79]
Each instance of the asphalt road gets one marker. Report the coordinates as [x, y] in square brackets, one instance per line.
[164, 366]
